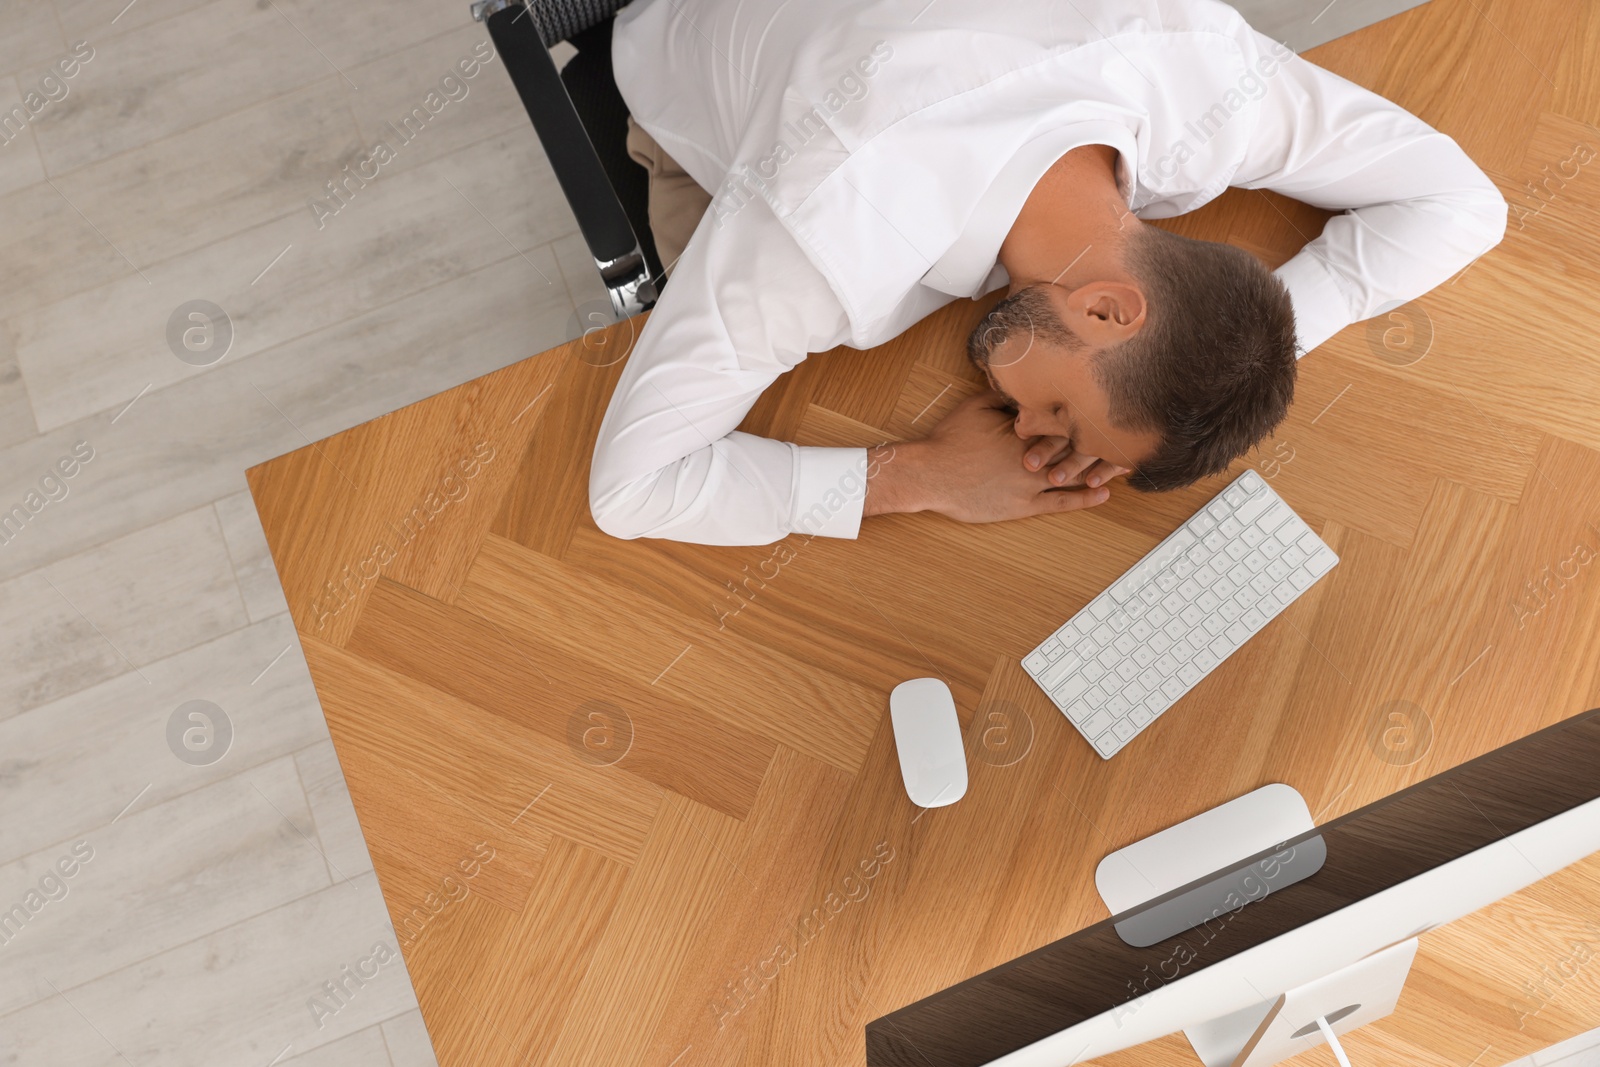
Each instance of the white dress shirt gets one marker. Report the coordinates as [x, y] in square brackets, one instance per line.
[868, 158]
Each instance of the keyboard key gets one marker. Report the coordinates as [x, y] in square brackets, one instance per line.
[1174, 628]
[1158, 616]
[1293, 556]
[1107, 744]
[1093, 671]
[1195, 642]
[1254, 619]
[1277, 571]
[1070, 690]
[1136, 608]
[1156, 703]
[1189, 674]
[1222, 647]
[1254, 508]
[1124, 644]
[1256, 562]
[1240, 576]
[1118, 706]
[1203, 524]
[1192, 615]
[1230, 610]
[1035, 663]
[1207, 601]
[1272, 548]
[1058, 671]
[1235, 496]
[1119, 621]
[1206, 576]
[1309, 542]
[1143, 655]
[1135, 692]
[1262, 584]
[1189, 590]
[1284, 595]
[1166, 580]
[1214, 625]
[1124, 730]
[1230, 527]
[1167, 664]
[1101, 607]
[1239, 633]
[1274, 517]
[1140, 715]
[1172, 689]
[1150, 594]
[1142, 630]
[1214, 541]
[1173, 604]
[1252, 536]
[1302, 579]
[1080, 712]
[1053, 649]
[1207, 659]
[1224, 587]
[1236, 550]
[1321, 561]
[1246, 598]
[1096, 724]
[1097, 697]
[1127, 669]
[1071, 631]
[1160, 642]
[1151, 679]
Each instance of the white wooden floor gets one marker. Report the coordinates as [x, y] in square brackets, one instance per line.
[178, 164]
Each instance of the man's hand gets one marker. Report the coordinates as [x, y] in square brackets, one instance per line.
[971, 469]
[1065, 466]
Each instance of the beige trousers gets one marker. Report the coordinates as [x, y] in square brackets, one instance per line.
[676, 202]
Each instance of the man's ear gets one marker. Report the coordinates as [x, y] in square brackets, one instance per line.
[1106, 313]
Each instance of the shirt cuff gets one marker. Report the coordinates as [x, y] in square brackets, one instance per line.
[1321, 308]
[830, 490]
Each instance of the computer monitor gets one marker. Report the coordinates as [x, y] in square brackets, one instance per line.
[1382, 874]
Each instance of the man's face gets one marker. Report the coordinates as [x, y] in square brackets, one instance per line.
[1045, 372]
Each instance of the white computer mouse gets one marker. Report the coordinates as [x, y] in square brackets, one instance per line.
[927, 736]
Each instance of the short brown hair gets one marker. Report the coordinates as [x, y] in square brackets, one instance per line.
[1212, 369]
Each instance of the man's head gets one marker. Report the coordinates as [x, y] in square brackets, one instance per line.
[1173, 371]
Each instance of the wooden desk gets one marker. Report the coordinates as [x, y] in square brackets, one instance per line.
[623, 798]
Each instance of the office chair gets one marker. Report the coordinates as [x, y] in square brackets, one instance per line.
[582, 122]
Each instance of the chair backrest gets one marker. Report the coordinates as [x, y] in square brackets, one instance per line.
[559, 19]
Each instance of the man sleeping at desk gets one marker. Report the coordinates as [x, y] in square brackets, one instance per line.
[846, 168]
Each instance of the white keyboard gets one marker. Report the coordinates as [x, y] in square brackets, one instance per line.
[1184, 608]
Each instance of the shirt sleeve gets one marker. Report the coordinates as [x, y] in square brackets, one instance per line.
[1416, 209]
[743, 306]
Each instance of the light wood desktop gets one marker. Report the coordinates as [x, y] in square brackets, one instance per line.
[637, 802]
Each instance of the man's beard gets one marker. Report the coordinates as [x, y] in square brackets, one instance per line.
[1026, 314]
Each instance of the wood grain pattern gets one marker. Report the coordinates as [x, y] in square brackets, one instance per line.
[680, 755]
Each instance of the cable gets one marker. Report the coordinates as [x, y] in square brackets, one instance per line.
[1338, 1049]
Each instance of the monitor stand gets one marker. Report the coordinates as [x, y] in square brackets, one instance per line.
[1209, 842]
[1318, 1011]
[1205, 844]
